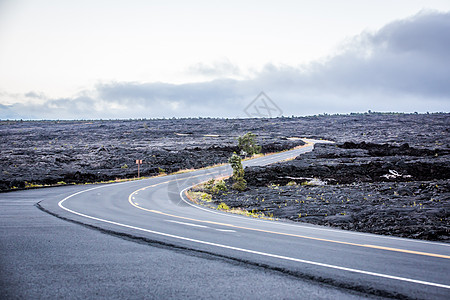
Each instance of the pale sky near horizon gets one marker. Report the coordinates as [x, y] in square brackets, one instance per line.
[56, 53]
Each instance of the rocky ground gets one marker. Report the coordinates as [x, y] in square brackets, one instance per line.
[387, 173]
[378, 188]
[51, 152]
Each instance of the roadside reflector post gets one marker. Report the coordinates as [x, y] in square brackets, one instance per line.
[139, 163]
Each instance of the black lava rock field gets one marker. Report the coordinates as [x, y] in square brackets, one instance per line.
[399, 185]
[386, 173]
[59, 152]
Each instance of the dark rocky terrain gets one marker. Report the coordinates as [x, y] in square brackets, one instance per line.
[387, 173]
[398, 187]
[51, 152]
[393, 192]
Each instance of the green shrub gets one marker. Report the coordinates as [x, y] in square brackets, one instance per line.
[236, 164]
[247, 144]
[220, 186]
[215, 187]
[209, 184]
[240, 185]
[238, 173]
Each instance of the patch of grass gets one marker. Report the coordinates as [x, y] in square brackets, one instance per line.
[199, 196]
[29, 185]
[253, 214]
[273, 186]
[223, 206]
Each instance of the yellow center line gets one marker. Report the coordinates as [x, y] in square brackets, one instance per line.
[275, 232]
[278, 233]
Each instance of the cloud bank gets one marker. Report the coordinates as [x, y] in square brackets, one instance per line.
[404, 66]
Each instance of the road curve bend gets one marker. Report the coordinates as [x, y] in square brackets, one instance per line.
[157, 210]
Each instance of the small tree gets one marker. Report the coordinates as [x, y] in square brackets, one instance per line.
[247, 143]
[240, 183]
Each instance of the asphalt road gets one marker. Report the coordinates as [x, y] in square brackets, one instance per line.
[182, 251]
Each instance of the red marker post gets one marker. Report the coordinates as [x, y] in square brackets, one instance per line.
[139, 162]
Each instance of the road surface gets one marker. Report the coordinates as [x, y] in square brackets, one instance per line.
[155, 211]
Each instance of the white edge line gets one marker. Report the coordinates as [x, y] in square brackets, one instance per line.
[187, 224]
[304, 226]
[309, 227]
[245, 250]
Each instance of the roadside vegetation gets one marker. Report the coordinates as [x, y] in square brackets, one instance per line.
[248, 145]
[239, 183]
[205, 194]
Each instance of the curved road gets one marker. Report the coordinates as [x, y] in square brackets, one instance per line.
[156, 210]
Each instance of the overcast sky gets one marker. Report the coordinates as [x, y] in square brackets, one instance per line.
[89, 59]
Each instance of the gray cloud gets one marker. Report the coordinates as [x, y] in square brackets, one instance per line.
[35, 95]
[424, 33]
[409, 57]
[404, 66]
[193, 99]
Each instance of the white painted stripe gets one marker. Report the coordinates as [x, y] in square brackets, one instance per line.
[381, 237]
[18, 204]
[247, 250]
[18, 201]
[226, 230]
[187, 224]
[309, 227]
